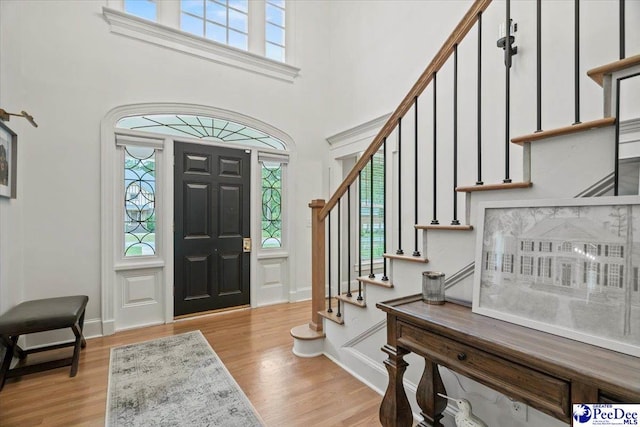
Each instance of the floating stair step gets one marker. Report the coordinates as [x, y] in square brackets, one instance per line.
[407, 258]
[598, 73]
[594, 124]
[353, 299]
[490, 187]
[444, 227]
[377, 280]
[333, 316]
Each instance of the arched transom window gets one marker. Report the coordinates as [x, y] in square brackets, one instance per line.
[202, 127]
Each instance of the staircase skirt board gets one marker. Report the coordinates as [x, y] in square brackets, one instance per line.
[376, 281]
[598, 73]
[594, 124]
[406, 258]
[489, 187]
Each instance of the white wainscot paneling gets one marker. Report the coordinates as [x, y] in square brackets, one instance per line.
[273, 285]
[140, 300]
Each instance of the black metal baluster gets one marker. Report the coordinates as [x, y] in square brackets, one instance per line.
[434, 221]
[455, 135]
[384, 207]
[349, 242]
[416, 252]
[359, 235]
[479, 101]
[576, 63]
[339, 314]
[622, 30]
[507, 61]
[371, 275]
[539, 65]
[329, 310]
[400, 251]
[616, 159]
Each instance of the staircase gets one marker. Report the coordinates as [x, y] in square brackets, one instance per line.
[438, 148]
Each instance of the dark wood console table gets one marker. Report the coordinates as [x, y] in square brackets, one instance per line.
[545, 371]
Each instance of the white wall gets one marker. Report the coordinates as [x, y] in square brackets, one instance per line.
[60, 62]
[10, 217]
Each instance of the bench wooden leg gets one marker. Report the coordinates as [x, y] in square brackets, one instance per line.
[11, 343]
[80, 343]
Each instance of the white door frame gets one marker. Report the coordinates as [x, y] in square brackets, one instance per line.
[160, 268]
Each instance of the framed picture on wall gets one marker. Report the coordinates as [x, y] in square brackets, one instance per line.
[568, 267]
[8, 161]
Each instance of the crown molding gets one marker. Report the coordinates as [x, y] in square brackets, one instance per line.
[357, 133]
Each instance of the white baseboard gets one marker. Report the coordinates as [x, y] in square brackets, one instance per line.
[108, 327]
[300, 295]
[92, 329]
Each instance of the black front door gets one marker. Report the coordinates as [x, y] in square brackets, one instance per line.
[211, 214]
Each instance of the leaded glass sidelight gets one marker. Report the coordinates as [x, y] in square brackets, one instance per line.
[139, 201]
[271, 205]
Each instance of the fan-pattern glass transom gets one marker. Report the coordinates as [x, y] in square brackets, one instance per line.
[202, 127]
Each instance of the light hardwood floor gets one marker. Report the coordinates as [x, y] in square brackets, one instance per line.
[255, 346]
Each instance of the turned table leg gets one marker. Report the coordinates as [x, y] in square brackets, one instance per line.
[395, 410]
[430, 403]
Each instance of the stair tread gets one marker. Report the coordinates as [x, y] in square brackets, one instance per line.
[305, 333]
[598, 73]
[353, 300]
[332, 316]
[566, 130]
[376, 281]
[407, 257]
[461, 227]
[488, 187]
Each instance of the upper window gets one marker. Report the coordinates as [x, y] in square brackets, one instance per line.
[251, 35]
[143, 8]
[544, 247]
[526, 245]
[223, 21]
[201, 127]
[275, 30]
[615, 251]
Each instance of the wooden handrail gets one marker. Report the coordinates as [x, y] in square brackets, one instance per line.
[461, 30]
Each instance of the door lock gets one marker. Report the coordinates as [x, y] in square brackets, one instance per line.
[246, 244]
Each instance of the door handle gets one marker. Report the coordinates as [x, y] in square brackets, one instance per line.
[246, 244]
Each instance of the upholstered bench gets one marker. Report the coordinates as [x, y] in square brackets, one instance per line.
[38, 316]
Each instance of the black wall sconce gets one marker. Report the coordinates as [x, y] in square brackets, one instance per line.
[502, 41]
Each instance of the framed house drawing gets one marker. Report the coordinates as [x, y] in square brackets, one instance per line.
[568, 267]
[8, 161]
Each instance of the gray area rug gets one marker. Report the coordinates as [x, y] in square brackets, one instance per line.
[174, 381]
